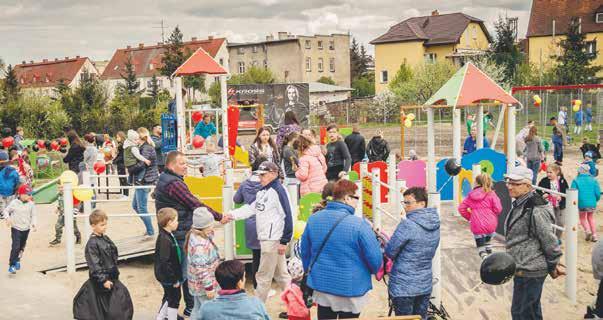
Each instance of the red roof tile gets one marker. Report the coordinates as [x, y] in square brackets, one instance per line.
[545, 11]
[48, 73]
[144, 57]
[433, 30]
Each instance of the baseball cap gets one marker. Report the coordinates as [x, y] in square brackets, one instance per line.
[520, 174]
[24, 189]
[266, 167]
[3, 155]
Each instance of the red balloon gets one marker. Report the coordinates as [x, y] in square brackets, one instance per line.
[41, 144]
[197, 116]
[8, 142]
[198, 142]
[99, 167]
[55, 145]
[63, 141]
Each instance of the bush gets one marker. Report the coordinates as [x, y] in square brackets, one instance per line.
[40, 116]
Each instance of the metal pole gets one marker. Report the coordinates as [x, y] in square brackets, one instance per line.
[571, 244]
[376, 189]
[511, 153]
[359, 184]
[476, 170]
[180, 119]
[431, 165]
[391, 174]
[398, 197]
[229, 227]
[87, 209]
[456, 154]
[69, 237]
[224, 102]
[434, 202]
[480, 127]
[292, 189]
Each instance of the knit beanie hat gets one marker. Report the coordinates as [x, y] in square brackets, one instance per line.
[133, 135]
[202, 218]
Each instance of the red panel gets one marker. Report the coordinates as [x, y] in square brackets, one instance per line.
[478, 86]
[200, 63]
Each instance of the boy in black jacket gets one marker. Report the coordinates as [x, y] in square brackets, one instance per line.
[168, 259]
[103, 296]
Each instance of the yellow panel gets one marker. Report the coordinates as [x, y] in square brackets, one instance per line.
[241, 156]
[207, 187]
[464, 175]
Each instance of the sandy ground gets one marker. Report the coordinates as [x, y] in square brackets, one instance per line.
[28, 290]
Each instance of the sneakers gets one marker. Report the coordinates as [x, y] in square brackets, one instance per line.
[589, 236]
[12, 270]
[594, 238]
[54, 242]
[18, 265]
[283, 315]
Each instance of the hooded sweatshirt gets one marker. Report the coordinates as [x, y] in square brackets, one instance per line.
[377, 149]
[311, 171]
[412, 248]
[485, 208]
[246, 195]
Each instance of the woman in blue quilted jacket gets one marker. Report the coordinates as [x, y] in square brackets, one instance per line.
[341, 274]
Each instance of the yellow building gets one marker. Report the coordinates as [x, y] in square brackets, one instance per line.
[549, 20]
[439, 37]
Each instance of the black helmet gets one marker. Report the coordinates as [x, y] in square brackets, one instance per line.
[452, 167]
[497, 268]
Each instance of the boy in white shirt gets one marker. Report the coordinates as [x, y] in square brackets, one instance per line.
[21, 217]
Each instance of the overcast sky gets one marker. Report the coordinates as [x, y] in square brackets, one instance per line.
[38, 29]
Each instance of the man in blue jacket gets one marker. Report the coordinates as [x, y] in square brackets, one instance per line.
[9, 180]
[412, 248]
[274, 225]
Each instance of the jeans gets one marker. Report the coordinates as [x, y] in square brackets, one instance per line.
[139, 204]
[171, 295]
[417, 305]
[328, 313]
[558, 151]
[199, 301]
[18, 246]
[123, 181]
[188, 298]
[534, 165]
[526, 298]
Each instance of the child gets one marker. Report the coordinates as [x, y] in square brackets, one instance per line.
[555, 181]
[596, 311]
[133, 160]
[21, 217]
[482, 207]
[60, 224]
[588, 159]
[588, 117]
[211, 163]
[589, 193]
[232, 301]
[412, 155]
[103, 296]
[578, 119]
[587, 146]
[557, 141]
[168, 268]
[203, 258]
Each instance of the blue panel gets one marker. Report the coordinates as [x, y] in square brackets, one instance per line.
[498, 160]
[169, 135]
[441, 178]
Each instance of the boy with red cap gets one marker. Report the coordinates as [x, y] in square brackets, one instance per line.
[21, 217]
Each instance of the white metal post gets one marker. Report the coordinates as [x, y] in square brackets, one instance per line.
[87, 230]
[480, 126]
[476, 170]
[391, 174]
[376, 186]
[292, 189]
[69, 236]
[359, 183]
[511, 153]
[431, 165]
[434, 202]
[571, 244]
[227, 193]
[456, 154]
[398, 197]
[180, 117]
[224, 103]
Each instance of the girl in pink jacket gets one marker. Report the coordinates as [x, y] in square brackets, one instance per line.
[482, 207]
[312, 166]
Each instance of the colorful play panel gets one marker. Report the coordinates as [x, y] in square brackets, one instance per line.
[324, 139]
[47, 193]
[382, 166]
[413, 172]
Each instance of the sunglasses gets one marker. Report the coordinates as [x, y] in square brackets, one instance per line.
[355, 197]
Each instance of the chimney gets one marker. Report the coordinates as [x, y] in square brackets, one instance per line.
[159, 43]
[435, 13]
[129, 47]
[23, 62]
[194, 39]
[282, 35]
[140, 45]
[45, 60]
[66, 58]
[31, 61]
[269, 37]
[77, 57]
[56, 59]
[210, 37]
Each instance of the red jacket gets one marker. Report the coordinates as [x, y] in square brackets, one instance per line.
[484, 210]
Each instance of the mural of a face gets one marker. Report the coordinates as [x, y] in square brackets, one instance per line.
[292, 94]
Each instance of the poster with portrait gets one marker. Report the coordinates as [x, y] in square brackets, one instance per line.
[276, 98]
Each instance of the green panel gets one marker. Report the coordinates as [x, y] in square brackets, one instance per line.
[240, 247]
[47, 193]
[345, 131]
[306, 203]
[353, 175]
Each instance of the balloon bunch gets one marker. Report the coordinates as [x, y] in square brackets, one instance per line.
[8, 142]
[197, 116]
[576, 105]
[198, 142]
[537, 100]
[408, 119]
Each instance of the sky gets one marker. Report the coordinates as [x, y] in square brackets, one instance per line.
[48, 29]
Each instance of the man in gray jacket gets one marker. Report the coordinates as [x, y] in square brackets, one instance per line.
[531, 240]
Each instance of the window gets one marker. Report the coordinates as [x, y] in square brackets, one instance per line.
[599, 17]
[474, 32]
[591, 48]
[221, 61]
[308, 64]
[116, 67]
[308, 44]
[241, 67]
[319, 45]
[332, 45]
[216, 79]
[22, 81]
[430, 57]
[384, 76]
[241, 50]
[320, 64]
[151, 66]
[255, 49]
[332, 64]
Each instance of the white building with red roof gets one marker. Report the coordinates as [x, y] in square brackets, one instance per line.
[42, 77]
[147, 62]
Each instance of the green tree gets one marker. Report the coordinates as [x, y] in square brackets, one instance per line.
[154, 89]
[403, 75]
[364, 86]
[174, 54]
[11, 84]
[326, 80]
[574, 65]
[131, 84]
[365, 60]
[194, 83]
[86, 105]
[355, 60]
[506, 52]
[427, 79]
